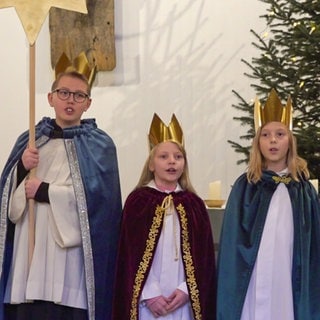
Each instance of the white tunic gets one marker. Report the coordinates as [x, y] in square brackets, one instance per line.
[269, 295]
[166, 273]
[57, 269]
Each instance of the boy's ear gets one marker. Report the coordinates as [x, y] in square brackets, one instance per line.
[49, 97]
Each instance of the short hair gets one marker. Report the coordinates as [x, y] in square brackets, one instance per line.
[71, 74]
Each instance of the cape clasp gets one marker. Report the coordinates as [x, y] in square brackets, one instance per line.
[284, 179]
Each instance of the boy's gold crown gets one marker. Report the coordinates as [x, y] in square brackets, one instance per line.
[80, 64]
[273, 111]
[159, 132]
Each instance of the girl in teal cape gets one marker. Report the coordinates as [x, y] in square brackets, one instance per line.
[269, 258]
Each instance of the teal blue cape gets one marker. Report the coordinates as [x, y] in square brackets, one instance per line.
[242, 228]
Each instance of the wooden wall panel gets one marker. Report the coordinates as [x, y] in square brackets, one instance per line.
[93, 33]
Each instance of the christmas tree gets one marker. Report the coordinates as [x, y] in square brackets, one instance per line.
[289, 61]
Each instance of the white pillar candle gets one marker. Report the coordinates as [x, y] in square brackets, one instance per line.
[215, 190]
[315, 183]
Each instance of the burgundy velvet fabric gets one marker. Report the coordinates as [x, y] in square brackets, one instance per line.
[138, 217]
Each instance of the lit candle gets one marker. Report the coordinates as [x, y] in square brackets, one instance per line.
[315, 183]
[215, 190]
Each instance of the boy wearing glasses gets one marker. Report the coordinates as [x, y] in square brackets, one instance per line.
[77, 206]
[69, 97]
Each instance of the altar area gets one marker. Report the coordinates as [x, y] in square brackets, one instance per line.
[216, 219]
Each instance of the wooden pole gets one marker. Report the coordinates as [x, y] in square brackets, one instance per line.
[31, 239]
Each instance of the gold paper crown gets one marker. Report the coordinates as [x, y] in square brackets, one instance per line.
[80, 64]
[159, 132]
[273, 111]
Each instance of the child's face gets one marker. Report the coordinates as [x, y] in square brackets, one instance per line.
[274, 145]
[68, 112]
[167, 164]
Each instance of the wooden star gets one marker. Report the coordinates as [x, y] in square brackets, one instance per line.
[32, 13]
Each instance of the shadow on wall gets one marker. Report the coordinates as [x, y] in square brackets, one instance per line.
[176, 69]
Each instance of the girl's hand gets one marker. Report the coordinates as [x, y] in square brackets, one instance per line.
[158, 306]
[177, 300]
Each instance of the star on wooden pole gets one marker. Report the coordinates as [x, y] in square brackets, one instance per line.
[32, 14]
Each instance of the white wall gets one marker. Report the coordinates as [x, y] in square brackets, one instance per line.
[172, 56]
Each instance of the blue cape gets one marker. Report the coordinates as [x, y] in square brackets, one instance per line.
[93, 161]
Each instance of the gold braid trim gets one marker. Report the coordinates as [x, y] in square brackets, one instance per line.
[285, 180]
[187, 257]
[147, 255]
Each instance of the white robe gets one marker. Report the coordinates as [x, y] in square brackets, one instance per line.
[269, 295]
[166, 273]
[57, 268]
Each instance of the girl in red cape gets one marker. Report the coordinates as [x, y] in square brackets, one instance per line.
[166, 262]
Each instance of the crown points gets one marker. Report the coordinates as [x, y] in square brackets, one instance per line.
[159, 132]
[80, 64]
[273, 111]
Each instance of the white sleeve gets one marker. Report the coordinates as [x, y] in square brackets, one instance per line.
[151, 288]
[183, 287]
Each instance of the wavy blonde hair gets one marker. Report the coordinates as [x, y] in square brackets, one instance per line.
[297, 166]
[147, 175]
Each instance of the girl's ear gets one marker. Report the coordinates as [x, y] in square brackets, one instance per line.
[151, 166]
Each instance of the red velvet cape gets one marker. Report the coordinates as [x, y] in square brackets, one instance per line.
[140, 232]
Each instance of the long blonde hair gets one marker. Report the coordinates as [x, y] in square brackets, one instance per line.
[297, 166]
[147, 175]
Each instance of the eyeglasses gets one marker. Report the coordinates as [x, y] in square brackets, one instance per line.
[64, 94]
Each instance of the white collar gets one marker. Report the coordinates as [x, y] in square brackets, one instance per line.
[152, 184]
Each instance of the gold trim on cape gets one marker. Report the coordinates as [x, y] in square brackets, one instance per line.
[186, 256]
[189, 265]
